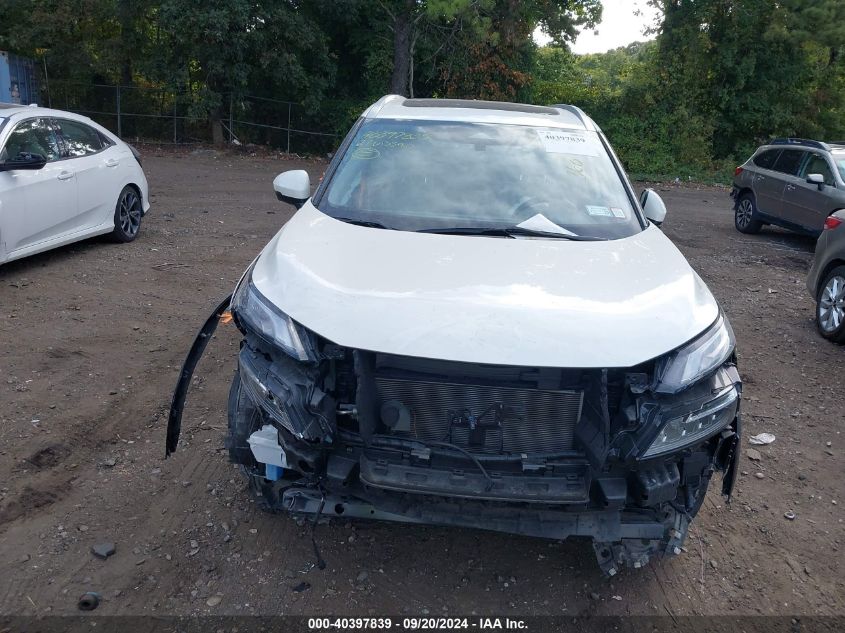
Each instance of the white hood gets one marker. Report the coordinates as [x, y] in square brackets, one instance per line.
[527, 302]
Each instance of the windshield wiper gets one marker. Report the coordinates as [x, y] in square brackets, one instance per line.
[511, 231]
[367, 223]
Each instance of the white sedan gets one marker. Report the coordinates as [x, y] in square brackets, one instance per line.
[64, 178]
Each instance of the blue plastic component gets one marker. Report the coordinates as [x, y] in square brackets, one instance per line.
[18, 79]
[272, 472]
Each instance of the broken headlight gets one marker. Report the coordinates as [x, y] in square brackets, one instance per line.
[693, 361]
[691, 428]
[256, 313]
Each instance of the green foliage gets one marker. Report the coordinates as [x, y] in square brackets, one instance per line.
[721, 77]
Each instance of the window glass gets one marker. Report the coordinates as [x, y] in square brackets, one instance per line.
[839, 160]
[766, 159]
[32, 136]
[789, 161]
[79, 139]
[817, 164]
[416, 175]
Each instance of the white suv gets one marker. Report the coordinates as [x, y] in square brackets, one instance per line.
[64, 178]
[473, 321]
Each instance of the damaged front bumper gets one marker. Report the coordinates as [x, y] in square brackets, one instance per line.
[536, 452]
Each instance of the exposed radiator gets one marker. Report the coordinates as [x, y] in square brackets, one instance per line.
[484, 418]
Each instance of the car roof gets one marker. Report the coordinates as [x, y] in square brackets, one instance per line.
[471, 111]
[11, 109]
[8, 110]
[804, 144]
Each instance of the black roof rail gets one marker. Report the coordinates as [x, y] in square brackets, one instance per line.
[799, 141]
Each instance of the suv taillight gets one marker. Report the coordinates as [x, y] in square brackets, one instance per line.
[831, 223]
[737, 171]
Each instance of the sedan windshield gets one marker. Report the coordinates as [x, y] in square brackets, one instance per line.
[434, 176]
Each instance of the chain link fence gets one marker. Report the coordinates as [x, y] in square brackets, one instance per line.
[167, 116]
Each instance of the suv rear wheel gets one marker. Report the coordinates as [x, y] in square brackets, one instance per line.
[830, 306]
[745, 216]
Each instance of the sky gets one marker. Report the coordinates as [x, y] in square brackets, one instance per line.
[619, 26]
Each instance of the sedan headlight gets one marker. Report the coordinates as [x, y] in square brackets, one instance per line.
[259, 315]
[691, 428]
[687, 365]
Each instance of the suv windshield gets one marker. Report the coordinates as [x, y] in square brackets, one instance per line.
[437, 175]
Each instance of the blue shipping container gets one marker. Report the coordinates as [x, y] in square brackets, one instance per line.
[18, 79]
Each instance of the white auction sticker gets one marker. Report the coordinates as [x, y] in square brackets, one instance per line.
[566, 142]
[595, 210]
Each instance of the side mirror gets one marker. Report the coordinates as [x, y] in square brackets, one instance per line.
[653, 206]
[24, 161]
[293, 187]
[816, 179]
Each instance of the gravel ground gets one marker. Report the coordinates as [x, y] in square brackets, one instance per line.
[92, 336]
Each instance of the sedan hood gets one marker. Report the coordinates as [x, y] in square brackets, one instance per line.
[527, 302]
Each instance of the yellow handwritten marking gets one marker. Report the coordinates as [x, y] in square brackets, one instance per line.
[365, 153]
[575, 167]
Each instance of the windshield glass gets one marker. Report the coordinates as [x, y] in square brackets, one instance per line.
[423, 175]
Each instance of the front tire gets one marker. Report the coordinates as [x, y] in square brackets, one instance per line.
[746, 215]
[127, 215]
[830, 306]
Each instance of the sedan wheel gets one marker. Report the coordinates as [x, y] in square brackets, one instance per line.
[830, 312]
[127, 215]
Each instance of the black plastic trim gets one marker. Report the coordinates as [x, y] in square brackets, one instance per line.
[177, 404]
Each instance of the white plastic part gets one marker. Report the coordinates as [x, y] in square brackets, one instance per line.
[653, 206]
[264, 444]
[293, 185]
[761, 439]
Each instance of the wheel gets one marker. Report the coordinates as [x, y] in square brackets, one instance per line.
[127, 215]
[830, 306]
[745, 217]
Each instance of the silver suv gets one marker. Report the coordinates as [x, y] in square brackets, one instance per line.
[791, 182]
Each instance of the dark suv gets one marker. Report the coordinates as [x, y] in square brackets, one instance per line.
[791, 182]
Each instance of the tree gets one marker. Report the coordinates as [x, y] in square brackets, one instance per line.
[219, 48]
[500, 31]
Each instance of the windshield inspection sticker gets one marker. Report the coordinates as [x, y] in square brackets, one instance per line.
[565, 142]
[599, 211]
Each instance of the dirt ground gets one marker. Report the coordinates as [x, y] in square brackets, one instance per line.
[91, 340]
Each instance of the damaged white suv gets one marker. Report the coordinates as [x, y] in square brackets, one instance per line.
[474, 322]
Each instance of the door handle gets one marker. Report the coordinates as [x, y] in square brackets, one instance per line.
[65, 175]
[112, 162]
